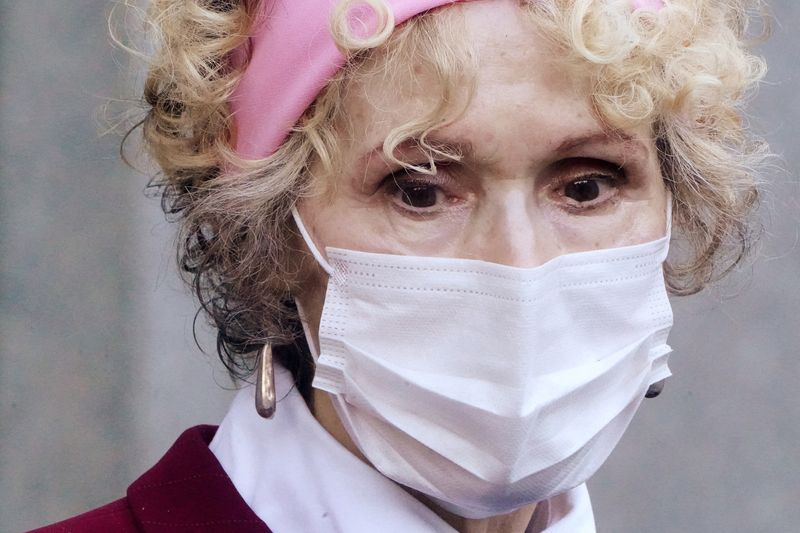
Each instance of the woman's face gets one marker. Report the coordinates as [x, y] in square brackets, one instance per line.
[540, 176]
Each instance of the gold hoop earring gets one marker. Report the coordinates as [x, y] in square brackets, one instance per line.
[265, 384]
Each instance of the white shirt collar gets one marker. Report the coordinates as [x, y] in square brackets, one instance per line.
[296, 477]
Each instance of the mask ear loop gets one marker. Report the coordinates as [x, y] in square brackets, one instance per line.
[310, 339]
[310, 243]
[669, 214]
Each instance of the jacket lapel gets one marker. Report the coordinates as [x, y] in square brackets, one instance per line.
[187, 490]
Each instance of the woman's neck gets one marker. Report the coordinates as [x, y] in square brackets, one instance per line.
[514, 522]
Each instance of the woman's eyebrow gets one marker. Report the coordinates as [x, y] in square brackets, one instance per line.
[598, 138]
[630, 145]
[412, 146]
[601, 138]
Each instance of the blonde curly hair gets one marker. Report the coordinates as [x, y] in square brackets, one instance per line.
[685, 70]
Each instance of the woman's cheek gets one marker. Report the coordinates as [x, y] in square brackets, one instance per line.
[623, 223]
[432, 235]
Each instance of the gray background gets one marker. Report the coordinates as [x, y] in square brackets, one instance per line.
[99, 372]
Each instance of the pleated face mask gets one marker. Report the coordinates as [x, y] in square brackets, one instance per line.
[489, 387]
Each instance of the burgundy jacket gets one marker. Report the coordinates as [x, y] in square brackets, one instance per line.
[187, 490]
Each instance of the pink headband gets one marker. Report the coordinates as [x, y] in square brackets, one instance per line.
[293, 55]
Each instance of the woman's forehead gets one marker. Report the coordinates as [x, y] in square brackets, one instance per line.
[519, 83]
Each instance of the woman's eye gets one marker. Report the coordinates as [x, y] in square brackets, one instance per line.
[415, 193]
[418, 196]
[582, 190]
[589, 189]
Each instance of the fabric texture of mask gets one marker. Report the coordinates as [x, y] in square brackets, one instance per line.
[489, 387]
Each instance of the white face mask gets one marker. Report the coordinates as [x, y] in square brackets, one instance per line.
[489, 387]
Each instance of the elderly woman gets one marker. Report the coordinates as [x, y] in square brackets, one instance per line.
[438, 233]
